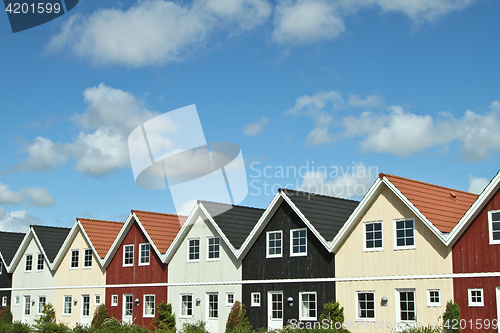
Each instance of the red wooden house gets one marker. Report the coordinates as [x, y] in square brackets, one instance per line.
[476, 253]
[134, 265]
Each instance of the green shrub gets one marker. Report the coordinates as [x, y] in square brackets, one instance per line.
[198, 327]
[451, 318]
[100, 315]
[332, 312]
[80, 328]
[428, 329]
[48, 316]
[6, 315]
[115, 326]
[237, 319]
[166, 319]
[18, 327]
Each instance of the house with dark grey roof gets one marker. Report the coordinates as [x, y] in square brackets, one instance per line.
[33, 273]
[9, 243]
[206, 271]
[287, 254]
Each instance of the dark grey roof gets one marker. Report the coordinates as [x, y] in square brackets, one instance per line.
[51, 239]
[9, 243]
[236, 222]
[326, 214]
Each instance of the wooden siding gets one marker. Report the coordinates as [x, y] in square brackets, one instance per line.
[156, 272]
[5, 282]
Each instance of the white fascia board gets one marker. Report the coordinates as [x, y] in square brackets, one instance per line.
[219, 231]
[191, 219]
[65, 247]
[260, 225]
[84, 233]
[305, 220]
[118, 240]
[474, 210]
[356, 215]
[21, 249]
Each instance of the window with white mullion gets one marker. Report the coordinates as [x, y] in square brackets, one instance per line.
[366, 305]
[213, 248]
[128, 255]
[87, 258]
[405, 234]
[194, 249]
[298, 239]
[494, 226]
[308, 306]
[145, 256]
[186, 305]
[373, 236]
[274, 244]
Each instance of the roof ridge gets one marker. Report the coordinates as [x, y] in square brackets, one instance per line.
[319, 195]
[10, 233]
[381, 175]
[83, 218]
[156, 213]
[221, 203]
[48, 226]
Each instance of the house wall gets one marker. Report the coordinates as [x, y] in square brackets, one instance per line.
[430, 256]
[318, 263]
[5, 282]
[67, 276]
[472, 253]
[32, 279]
[227, 268]
[116, 273]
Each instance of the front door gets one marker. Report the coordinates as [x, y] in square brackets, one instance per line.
[275, 310]
[128, 308]
[85, 314]
[213, 312]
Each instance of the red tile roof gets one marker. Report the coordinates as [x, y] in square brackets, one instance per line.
[102, 234]
[161, 228]
[443, 206]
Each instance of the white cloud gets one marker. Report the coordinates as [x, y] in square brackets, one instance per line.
[371, 102]
[36, 196]
[477, 185]
[154, 32]
[256, 128]
[16, 221]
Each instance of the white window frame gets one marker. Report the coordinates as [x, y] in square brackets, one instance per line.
[398, 305]
[70, 308]
[208, 306]
[144, 306]
[267, 244]
[40, 311]
[208, 248]
[429, 302]
[77, 251]
[490, 227]
[299, 254]
[189, 249]
[85, 259]
[26, 262]
[1, 266]
[227, 298]
[475, 304]
[4, 301]
[358, 318]
[405, 247]
[252, 302]
[16, 300]
[373, 249]
[27, 306]
[97, 299]
[114, 300]
[187, 308]
[38, 259]
[148, 256]
[125, 251]
[315, 304]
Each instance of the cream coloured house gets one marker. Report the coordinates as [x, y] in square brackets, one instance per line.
[391, 261]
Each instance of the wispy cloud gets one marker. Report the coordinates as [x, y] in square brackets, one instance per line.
[35, 196]
[16, 221]
[256, 128]
[477, 184]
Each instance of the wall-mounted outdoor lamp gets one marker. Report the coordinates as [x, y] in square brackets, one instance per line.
[198, 301]
[290, 301]
[75, 302]
[384, 301]
[32, 303]
[136, 302]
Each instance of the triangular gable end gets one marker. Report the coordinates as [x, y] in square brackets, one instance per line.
[30, 235]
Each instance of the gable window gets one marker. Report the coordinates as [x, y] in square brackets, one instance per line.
[27, 305]
[476, 297]
[4, 301]
[42, 300]
[67, 305]
[373, 236]
[255, 299]
[407, 307]
[366, 305]
[434, 297]
[87, 258]
[149, 306]
[194, 249]
[494, 226]
[74, 259]
[114, 300]
[39, 262]
[145, 254]
[308, 306]
[405, 234]
[29, 262]
[97, 300]
[229, 299]
[274, 244]
[186, 305]
[128, 255]
[213, 248]
[213, 305]
[298, 240]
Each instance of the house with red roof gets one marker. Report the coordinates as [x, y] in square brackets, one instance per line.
[136, 274]
[476, 261]
[393, 261]
[80, 276]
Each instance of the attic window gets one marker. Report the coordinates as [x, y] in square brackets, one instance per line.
[494, 226]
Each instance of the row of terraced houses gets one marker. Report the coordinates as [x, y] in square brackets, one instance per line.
[397, 256]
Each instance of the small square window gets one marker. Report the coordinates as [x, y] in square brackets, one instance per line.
[298, 240]
[274, 244]
[194, 249]
[255, 299]
[87, 258]
[114, 300]
[145, 254]
[186, 305]
[476, 297]
[213, 248]
[29, 262]
[39, 262]
[74, 259]
[405, 234]
[434, 297]
[128, 255]
[373, 236]
[97, 300]
[229, 299]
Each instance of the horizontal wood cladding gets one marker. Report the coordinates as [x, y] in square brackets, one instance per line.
[472, 252]
[317, 264]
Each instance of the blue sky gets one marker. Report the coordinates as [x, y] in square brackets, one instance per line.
[407, 87]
